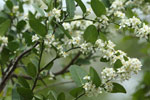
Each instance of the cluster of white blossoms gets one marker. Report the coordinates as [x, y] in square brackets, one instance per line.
[90, 88]
[103, 21]
[3, 41]
[128, 67]
[56, 13]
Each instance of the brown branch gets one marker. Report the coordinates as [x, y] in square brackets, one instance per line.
[65, 68]
[4, 81]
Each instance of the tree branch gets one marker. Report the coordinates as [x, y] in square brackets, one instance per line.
[65, 68]
[14, 66]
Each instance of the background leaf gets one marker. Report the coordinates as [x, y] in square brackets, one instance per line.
[70, 7]
[118, 88]
[77, 74]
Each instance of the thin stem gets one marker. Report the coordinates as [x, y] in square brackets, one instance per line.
[36, 79]
[65, 68]
[79, 96]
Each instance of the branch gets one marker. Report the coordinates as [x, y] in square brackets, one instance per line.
[65, 68]
[14, 66]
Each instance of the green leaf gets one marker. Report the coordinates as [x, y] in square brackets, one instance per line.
[117, 64]
[65, 31]
[15, 95]
[23, 82]
[95, 77]
[61, 96]
[51, 95]
[9, 4]
[104, 59]
[31, 70]
[28, 37]
[82, 6]
[118, 88]
[26, 93]
[37, 26]
[106, 3]
[70, 7]
[5, 55]
[77, 74]
[98, 7]
[38, 9]
[13, 45]
[49, 65]
[20, 25]
[4, 27]
[146, 78]
[129, 13]
[91, 34]
[76, 91]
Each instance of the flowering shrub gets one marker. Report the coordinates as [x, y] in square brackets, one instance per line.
[30, 29]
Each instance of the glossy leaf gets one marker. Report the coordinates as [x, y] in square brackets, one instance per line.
[95, 77]
[76, 91]
[82, 6]
[31, 70]
[61, 96]
[4, 27]
[77, 74]
[118, 88]
[70, 7]
[117, 64]
[91, 34]
[104, 59]
[98, 7]
[23, 82]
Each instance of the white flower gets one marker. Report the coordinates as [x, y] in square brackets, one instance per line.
[15, 9]
[134, 22]
[119, 14]
[108, 86]
[117, 5]
[100, 43]
[67, 26]
[4, 40]
[87, 78]
[35, 38]
[56, 13]
[143, 32]
[88, 11]
[108, 74]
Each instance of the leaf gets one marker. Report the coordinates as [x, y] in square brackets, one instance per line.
[104, 59]
[28, 37]
[117, 64]
[13, 45]
[118, 88]
[4, 27]
[20, 25]
[38, 9]
[77, 74]
[51, 95]
[65, 31]
[37, 26]
[61, 96]
[15, 95]
[26, 93]
[49, 65]
[9, 4]
[91, 34]
[82, 6]
[76, 91]
[146, 78]
[31, 70]
[129, 13]
[5, 55]
[98, 7]
[95, 77]
[70, 7]
[23, 82]
[106, 3]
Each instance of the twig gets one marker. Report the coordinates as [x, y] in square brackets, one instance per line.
[4, 81]
[65, 68]
[79, 96]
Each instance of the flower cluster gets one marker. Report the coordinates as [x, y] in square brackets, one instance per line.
[90, 88]
[3, 41]
[108, 75]
[56, 13]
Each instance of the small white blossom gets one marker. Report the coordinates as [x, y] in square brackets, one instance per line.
[108, 74]
[87, 78]
[35, 38]
[119, 14]
[4, 40]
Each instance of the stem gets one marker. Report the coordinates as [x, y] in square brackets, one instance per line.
[79, 96]
[14, 66]
[36, 79]
[65, 68]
